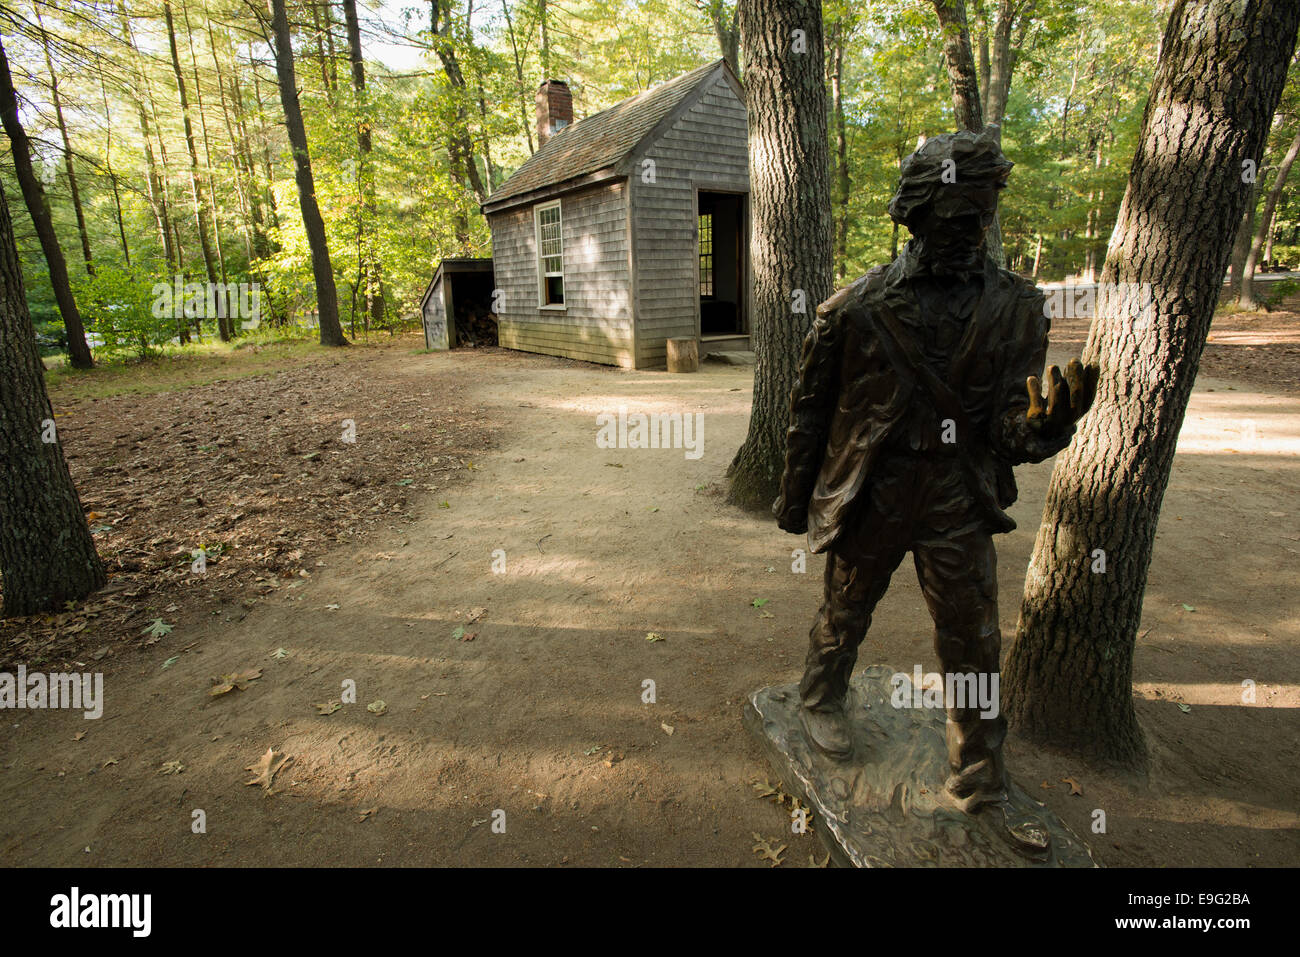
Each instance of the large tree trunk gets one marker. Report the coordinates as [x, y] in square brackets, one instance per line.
[791, 249]
[47, 555]
[34, 198]
[73, 188]
[327, 304]
[1068, 676]
[371, 269]
[1247, 299]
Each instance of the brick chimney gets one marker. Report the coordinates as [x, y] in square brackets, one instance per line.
[554, 109]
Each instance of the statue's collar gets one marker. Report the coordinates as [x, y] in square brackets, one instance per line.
[909, 265]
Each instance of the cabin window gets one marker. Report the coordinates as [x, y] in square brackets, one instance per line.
[706, 254]
[550, 255]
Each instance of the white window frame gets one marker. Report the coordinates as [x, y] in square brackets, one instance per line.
[542, 274]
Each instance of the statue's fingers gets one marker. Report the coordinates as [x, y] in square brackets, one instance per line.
[1074, 375]
[1058, 397]
[1035, 389]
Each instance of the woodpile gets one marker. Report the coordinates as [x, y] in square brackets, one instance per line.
[475, 325]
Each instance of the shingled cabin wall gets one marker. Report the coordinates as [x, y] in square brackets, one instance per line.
[707, 148]
[631, 260]
[596, 323]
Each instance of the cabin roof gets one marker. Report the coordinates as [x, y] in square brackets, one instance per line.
[603, 139]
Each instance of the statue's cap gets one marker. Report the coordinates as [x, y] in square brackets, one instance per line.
[965, 168]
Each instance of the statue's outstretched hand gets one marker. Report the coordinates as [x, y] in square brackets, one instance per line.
[1069, 398]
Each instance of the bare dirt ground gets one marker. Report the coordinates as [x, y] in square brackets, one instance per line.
[519, 688]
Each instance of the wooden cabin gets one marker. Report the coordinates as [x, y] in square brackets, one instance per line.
[629, 227]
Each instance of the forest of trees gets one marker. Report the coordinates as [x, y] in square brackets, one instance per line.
[159, 135]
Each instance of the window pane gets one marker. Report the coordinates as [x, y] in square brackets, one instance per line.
[550, 256]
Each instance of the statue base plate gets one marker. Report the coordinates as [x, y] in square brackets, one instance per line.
[887, 806]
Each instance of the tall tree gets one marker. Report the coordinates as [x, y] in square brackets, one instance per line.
[196, 187]
[1068, 675]
[964, 79]
[370, 267]
[57, 100]
[327, 303]
[47, 555]
[39, 210]
[722, 15]
[791, 249]
[1247, 298]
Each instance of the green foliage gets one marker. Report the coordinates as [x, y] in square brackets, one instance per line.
[122, 308]
[1081, 74]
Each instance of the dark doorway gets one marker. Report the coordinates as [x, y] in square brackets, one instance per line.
[721, 248]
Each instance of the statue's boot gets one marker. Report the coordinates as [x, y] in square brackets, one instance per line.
[1020, 828]
[828, 730]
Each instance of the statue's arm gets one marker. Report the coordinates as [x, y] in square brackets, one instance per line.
[812, 402]
[1031, 427]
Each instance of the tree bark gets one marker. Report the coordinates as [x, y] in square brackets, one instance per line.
[47, 555]
[327, 304]
[791, 249]
[34, 198]
[1068, 676]
[1247, 299]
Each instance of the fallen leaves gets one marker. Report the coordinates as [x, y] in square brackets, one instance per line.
[653, 636]
[156, 629]
[777, 794]
[227, 683]
[377, 707]
[1074, 785]
[328, 707]
[267, 767]
[767, 852]
[171, 767]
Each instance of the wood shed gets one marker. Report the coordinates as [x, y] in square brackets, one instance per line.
[629, 227]
[456, 308]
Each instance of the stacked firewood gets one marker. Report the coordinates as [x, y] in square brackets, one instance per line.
[475, 325]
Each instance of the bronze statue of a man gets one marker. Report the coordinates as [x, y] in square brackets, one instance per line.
[917, 393]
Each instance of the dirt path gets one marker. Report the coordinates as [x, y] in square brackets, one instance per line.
[541, 714]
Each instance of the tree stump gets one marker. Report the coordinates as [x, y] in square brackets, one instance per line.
[683, 355]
